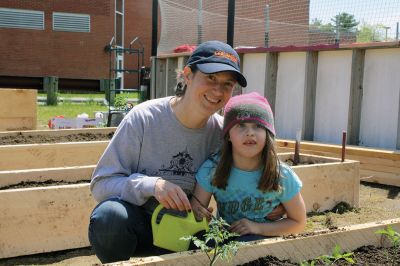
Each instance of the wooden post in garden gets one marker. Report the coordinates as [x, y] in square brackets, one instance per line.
[109, 86]
[50, 86]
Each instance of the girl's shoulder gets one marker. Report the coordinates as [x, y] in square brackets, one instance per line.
[212, 160]
[287, 174]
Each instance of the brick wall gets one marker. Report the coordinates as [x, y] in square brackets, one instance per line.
[38, 53]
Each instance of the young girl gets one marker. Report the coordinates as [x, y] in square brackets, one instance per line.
[246, 178]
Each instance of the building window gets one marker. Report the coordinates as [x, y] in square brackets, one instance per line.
[71, 22]
[21, 19]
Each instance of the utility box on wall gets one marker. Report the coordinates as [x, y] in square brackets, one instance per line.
[18, 109]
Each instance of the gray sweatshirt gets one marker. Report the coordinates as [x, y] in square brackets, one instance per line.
[151, 143]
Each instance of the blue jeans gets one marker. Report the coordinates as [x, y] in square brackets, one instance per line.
[118, 229]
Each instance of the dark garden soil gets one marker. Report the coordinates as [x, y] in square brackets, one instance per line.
[366, 255]
[32, 139]
[377, 203]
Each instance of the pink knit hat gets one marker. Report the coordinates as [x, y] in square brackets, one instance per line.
[249, 107]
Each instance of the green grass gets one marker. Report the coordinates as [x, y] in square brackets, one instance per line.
[68, 110]
[87, 95]
[71, 110]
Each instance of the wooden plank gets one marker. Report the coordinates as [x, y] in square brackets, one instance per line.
[161, 78]
[350, 150]
[392, 179]
[17, 123]
[327, 182]
[69, 174]
[33, 156]
[37, 220]
[295, 249]
[357, 74]
[271, 73]
[172, 65]
[398, 128]
[309, 95]
[377, 166]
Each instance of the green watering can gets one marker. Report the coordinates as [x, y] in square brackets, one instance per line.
[167, 233]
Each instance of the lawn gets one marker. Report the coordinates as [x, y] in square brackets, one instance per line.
[69, 109]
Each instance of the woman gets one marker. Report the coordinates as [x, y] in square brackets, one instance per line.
[156, 151]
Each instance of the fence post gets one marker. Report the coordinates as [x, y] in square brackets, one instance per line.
[50, 86]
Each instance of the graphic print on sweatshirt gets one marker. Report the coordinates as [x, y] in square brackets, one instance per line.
[181, 164]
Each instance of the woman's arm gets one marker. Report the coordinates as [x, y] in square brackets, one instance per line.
[295, 221]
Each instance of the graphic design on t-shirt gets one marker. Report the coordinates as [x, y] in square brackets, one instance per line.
[181, 164]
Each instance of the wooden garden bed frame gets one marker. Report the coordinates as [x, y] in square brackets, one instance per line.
[296, 249]
[376, 165]
[45, 219]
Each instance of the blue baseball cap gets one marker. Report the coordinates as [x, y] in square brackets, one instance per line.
[215, 56]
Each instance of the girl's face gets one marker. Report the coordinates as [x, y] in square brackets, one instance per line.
[208, 93]
[248, 140]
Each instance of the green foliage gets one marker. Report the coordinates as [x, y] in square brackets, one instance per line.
[317, 25]
[217, 243]
[331, 259]
[343, 21]
[346, 22]
[371, 33]
[120, 101]
[393, 236]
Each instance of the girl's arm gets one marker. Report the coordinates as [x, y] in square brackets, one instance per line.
[200, 201]
[295, 221]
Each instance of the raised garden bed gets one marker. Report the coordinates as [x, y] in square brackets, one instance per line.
[37, 209]
[326, 181]
[43, 219]
[295, 249]
[34, 156]
[376, 165]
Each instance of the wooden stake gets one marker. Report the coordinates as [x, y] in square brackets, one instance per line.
[296, 157]
[344, 145]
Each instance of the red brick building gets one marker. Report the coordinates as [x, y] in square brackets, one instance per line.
[67, 39]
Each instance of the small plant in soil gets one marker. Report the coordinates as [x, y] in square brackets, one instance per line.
[217, 241]
[394, 238]
[336, 256]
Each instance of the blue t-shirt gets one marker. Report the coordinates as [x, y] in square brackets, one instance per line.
[241, 198]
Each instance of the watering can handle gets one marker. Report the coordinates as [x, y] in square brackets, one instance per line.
[154, 218]
[159, 208]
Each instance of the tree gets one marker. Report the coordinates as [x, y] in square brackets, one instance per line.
[316, 24]
[371, 33]
[345, 22]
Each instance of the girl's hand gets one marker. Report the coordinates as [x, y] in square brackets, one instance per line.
[244, 227]
[200, 212]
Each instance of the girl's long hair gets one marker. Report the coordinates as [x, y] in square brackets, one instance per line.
[270, 178]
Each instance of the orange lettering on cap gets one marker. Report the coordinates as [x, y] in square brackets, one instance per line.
[226, 55]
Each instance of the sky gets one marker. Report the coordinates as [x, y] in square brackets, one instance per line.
[386, 12]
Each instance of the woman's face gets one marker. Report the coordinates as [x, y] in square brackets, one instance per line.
[209, 93]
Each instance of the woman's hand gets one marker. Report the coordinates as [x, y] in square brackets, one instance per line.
[245, 227]
[171, 196]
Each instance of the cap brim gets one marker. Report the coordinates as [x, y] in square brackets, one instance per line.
[209, 68]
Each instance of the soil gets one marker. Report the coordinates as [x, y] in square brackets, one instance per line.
[365, 255]
[34, 139]
[377, 202]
